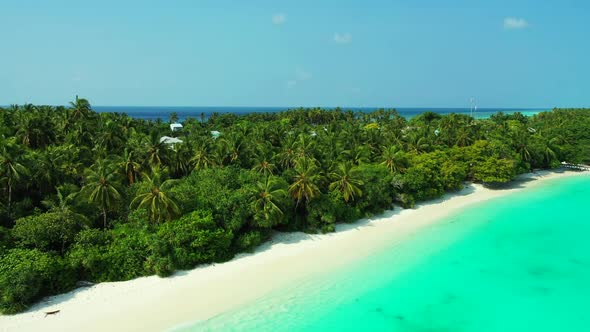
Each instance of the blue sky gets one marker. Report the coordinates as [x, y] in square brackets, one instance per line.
[423, 53]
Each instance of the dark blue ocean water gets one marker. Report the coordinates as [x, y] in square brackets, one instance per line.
[163, 112]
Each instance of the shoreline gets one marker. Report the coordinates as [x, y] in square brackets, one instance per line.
[156, 304]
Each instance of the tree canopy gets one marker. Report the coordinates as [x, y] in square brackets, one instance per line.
[100, 197]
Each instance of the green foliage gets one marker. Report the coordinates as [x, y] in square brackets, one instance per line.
[193, 239]
[4, 239]
[453, 174]
[326, 211]
[47, 231]
[118, 254]
[154, 195]
[226, 192]
[494, 170]
[377, 189]
[422, 182]
[250, 240]
[89, 196]
[269, 201]
[27, 275]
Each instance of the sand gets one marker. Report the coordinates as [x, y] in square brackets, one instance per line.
[158, 304]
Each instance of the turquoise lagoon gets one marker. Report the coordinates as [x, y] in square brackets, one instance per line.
[520, 262]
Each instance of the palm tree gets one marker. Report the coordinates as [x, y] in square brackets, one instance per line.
[65, 202]
[180, 160]
[47, 169]
[286, 157]
[202, 157]
[26, 127]
[304, 146]
[173, 117]
[394, 159]
[154, 196]
[130, 166]
[157, 152]
[101, 187]
[417, 142]
[263, 162]
[80, 109]
[357, 154]
[306, 183]
[521, 143]
[111, 136]
[232, 148]
[345, 179]
[267, 201]
[11, 169]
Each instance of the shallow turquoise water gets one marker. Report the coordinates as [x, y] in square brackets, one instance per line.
[517, 263]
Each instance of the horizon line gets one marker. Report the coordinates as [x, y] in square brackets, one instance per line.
[315, 106]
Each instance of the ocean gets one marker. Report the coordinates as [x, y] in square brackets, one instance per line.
[520, 262]
[163, 112]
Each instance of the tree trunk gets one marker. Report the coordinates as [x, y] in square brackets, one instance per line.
[9, 197]
[104, 218]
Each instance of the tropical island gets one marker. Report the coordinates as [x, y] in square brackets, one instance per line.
[95, 197]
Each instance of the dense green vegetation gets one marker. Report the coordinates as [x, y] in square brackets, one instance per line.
[98, 197]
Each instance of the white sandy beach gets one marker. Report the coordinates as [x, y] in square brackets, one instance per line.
[157, 304]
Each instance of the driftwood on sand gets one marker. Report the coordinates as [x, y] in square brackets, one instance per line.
[47, 313]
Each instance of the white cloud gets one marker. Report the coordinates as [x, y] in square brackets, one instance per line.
[279, 18]
[342, 38]
[301, 75]
[512, 23]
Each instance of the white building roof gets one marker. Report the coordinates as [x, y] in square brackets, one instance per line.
[169, 140]
[175, 126]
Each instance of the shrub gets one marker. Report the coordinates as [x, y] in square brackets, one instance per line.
[191, 240]
[114, 255]
[47, 231]
[220, 191]
[407, 201]
[495, 171]
[250, 240]
[377, 191]
[26, 275]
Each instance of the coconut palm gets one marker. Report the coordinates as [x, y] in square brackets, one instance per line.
[232, 148]
[66, 198]
[304, 146]
[130, 166]
[357, 154]
[346, 180]
[80, 109]
[157, 152]
[305, 186]
[100, 187]
[394, 159]
[180, 160]
[47, 171]
[267, 200]
[521, 143]
[202, 157]
[417, 142]
[12, 170]
[264, 166]
[154, 196]
[111, 136]
[286, 157]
